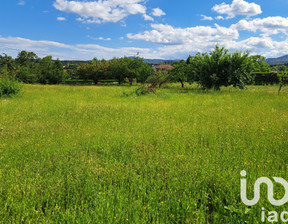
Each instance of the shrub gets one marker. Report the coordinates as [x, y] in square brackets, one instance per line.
[283, 80]
[159, 78]
[9, 86]
[141, 91]
[265, 78]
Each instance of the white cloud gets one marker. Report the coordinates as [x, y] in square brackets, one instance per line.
[61, 18]
[99, 38]
[206, 17]
[170, 42]
[101, 11]
[219, 18]
[158, 12]
[238, 7]
[180, 42]
[21, 2]
[168, 35]
[12, 45]
[268, 26]
[148, 18]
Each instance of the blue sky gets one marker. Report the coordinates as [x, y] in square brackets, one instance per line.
[84, 29]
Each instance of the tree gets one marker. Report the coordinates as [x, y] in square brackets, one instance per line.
[239, 72]
[84, 71]
[159, 78]
[28, 67]
[179, 73]
[51, 72]
[144, 71]
[26, 58]
[119, 69]
[258, 64]
[99, 69]
[221, 68]
[7, 65]
[283, 80]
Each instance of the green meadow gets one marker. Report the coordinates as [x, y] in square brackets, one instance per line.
[91, 154]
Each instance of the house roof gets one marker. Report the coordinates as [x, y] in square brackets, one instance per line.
[163, 67]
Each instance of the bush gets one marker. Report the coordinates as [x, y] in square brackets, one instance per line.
[9, 86]
[265, 78]
[141, 91]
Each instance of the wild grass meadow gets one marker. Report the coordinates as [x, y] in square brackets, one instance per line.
[72, 154]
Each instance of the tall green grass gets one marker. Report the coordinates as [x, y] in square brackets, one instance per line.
[73, 154]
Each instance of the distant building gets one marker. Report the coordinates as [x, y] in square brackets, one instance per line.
[158, 68]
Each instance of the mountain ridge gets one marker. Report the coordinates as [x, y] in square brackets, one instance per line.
[278, 61]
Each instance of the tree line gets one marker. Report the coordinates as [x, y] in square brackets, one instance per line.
[210, 70]
[27, 67]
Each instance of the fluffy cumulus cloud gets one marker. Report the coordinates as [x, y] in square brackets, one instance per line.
[206, 17]
[238, 7]
[164, 40]
[168, 35]
[268, 26]
[158, 12]
[174, 41]
[102, 11]
[219, 18]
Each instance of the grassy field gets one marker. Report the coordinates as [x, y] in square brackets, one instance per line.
[88, 154]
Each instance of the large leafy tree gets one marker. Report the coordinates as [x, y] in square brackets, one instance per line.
[99, 69]
[258, 64]
[7, 66]
[51, 72]
[28, 67]
[221, 68]
[179, 73]
[26, 58]
[144, 71]
[119, 69]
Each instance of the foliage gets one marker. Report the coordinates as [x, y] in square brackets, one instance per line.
[28, 68]
[280, 68]
[220, 68]
[141, 91]
[159, 78]
[9, 86]
[7, 65]
[143, 70]
[265, 78]
[179, 73]
[283, 80]
[120, 69]
[258, 64]
[51, 72]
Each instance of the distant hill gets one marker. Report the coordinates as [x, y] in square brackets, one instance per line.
[159, 61]
[278, 61]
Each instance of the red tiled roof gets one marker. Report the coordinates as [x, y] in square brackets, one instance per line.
[163, 67]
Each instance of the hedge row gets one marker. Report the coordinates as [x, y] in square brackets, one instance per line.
[265, 78]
